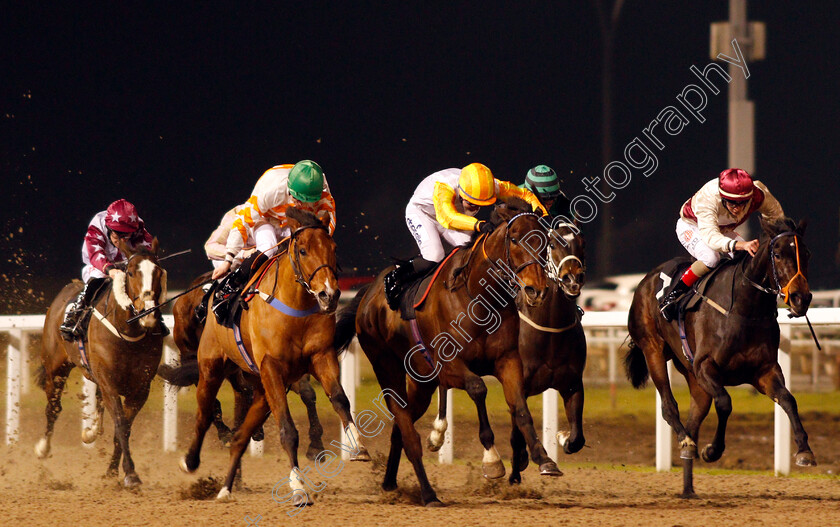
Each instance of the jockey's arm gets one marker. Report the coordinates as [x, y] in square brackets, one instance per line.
[770, 209]
[95, 249]
[707, 224]
[326, 205]
[509, 190]
[445, 212]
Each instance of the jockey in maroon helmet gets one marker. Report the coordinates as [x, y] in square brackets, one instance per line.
[100, 256]
[706, 227]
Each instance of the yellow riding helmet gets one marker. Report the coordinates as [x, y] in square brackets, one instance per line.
[477, 184]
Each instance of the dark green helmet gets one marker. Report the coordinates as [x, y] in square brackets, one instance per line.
[543, 181]
[306, 181]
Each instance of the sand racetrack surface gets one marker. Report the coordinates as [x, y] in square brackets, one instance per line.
[610, 483]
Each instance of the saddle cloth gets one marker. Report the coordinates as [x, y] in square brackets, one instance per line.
[673, 270]
[416, 291]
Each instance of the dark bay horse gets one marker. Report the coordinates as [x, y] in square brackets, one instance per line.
[552, 346]
[187, 335]
[286, 333]
[738, 348]
[122, 357]
[472, 329]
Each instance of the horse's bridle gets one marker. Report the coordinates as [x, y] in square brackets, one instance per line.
[508, 262]
[779, 290]
[552, 267]
[295, 260]
[131, 307]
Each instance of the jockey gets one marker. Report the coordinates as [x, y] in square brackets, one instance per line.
[543, 182]
[706, 227]
[263, 219]
[100, 255]
[444, 206]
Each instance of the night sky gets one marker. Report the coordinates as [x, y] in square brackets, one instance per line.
[180, 107]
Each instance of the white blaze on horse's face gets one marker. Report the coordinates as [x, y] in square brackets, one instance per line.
[147, 272]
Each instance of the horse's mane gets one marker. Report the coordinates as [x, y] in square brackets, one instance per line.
[303, 217]
[514, 205]
[142, 250]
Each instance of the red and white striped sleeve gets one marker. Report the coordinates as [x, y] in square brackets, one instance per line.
[95, 248]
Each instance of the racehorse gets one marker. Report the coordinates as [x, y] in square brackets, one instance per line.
[552, 347]
[462, 302]
[187, 335]
[729, 349]
[285, 335]
[120, 357]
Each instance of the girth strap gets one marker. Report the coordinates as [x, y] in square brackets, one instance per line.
[288, 310]
[237, 336]
[107, 323]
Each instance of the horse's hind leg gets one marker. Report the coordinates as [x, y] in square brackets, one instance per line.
[54, 380]
[573, 404]
[701, 401]
[90, 433]
[437, 435]
[654, 350]
[209, 381]
[772, 384]
[325, 368]
[709, 378]
[419, 396]
[316, 431]
[256, 416]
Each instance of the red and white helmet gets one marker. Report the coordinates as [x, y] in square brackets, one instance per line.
[735, 185]
[121, 216]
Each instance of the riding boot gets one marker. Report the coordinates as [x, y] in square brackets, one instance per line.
[230, 287]
[395, 281]
[668, 305]
[70, 328]
[201, 309]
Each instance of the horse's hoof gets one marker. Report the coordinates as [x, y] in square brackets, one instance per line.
[185, 467]
[225, 437]
[225, 495]
[301, 499]
[549, 468]
[131, 481]
[313, 451]
[111, 473]
[688, 449]
[521, 460]
[431, 444]
[710, 454]
[361, 455]
[389, 487]
[42, 448]
[435, 503]
[563, 439]
[494, 470]
[805, 459]
[258, 435]
[89, 436]
[515, 478]
[688, 495]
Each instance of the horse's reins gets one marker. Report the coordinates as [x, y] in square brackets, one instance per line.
[786, 289]
[295, 261]
[507, 242]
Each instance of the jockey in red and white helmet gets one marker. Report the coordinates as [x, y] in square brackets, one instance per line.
[100, 254]
[706, 227]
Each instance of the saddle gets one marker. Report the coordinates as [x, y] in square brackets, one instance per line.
[415, 292]
[673, 270]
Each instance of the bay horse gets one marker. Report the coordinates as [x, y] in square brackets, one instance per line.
[740, 347]
[462, 302]
[552, 346]
[286, 334]
[187, 334]
[120, 357]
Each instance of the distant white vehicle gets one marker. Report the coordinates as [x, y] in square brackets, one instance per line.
[614, 293]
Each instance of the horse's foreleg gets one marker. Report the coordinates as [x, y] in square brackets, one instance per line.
[573, 404]
[709, 379]
[325, 368]
[509, 373]
[111, 398]
[131, 407]
[316, 431]
[209, 381]
[701, 401]
[519, 455]
[436, 436]
[54, 380]
[772, 384]
[255, 417]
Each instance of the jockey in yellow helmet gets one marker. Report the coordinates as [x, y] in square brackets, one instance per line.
[443, 208]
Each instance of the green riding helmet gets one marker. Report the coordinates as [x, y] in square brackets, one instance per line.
[543, 181]
[306, 181]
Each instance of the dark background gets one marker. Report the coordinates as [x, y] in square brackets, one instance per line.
[180, 108]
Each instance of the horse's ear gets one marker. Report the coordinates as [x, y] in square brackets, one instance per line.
[324, 216]
[800, 229]
[767, 227]
[155, 246]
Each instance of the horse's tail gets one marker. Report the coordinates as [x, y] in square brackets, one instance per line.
[345, 326]
[184, 375]
[636, 366]
[41, 377]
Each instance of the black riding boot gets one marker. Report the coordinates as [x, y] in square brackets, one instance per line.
[201, 309]
[69, 328]
[230, 288]
[395, 281]
[668, 305]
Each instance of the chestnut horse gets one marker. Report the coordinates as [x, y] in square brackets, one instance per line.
[471, 329]
[729, 349]
[121, 358]
[187, 334]
[552, 347]
[286, 333]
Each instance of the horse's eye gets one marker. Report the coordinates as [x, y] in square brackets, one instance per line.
[514, 241]
[551, 245]
[302, 252]
[776, 256]
[129, 273]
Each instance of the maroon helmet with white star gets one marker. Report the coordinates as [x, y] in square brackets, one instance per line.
[121, 216]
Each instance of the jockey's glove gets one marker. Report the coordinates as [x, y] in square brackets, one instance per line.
[484, 227]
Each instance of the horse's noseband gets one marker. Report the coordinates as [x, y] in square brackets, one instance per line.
[294, 260]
